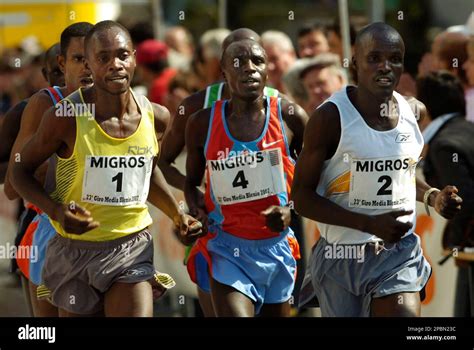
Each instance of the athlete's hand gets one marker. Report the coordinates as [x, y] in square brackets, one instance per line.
[447, 202]
[386, 226]
[200, 214]
[277, 218]
[187, 228]
[74, 218]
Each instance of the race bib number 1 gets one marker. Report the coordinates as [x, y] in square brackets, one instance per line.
[382, 183]
[116, 180]
[247, 177]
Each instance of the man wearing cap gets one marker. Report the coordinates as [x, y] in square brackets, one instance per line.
[153, 70]
[321, 77]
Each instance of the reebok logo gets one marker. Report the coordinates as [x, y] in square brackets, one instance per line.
[137, 150]
[134, 272]
[266, 145]
[403, 138]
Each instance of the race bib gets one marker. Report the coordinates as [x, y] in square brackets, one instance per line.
[247, 177]
[382, 183]
[116, 180]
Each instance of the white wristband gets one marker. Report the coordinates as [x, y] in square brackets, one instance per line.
[426, 196]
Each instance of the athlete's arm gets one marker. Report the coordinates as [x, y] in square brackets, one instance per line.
[9, 129]
[296, 119]
[50, 138]
[446, 202]
[458, 174]
[321, 138]
[174, 140]
[160, 194]
[196, 133]
[285, 97]
[30, 121]
[278, 218]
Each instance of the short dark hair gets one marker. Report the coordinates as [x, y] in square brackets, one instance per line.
[75, 30]
[376, 27]
[442, 93]
[316, 27]
[101, 26]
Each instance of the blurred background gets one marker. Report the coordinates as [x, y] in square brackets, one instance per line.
[180, 35]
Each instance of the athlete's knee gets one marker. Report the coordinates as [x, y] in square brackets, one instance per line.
[205, 300]
[129, 299]
[276, 310]
[229, 302]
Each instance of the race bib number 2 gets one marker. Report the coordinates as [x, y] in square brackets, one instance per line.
[382, 183]
[247, 177]
[116, 180]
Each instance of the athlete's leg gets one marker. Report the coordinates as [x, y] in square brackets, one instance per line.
[26, 294]
[297, 227]
[129, 299]
[41, 308]
[228, 302]
[205, 300]
[276, 310]
[396, 305]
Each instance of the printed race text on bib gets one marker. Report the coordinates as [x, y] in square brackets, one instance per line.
[116, 180]
[382, 183]
[247, 177]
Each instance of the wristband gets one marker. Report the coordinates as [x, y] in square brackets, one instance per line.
[426, 196]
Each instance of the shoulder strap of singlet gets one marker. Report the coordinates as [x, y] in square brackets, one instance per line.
[269, 91]
[55, 94]
[216, 109]
[213, 94]
[144, 103]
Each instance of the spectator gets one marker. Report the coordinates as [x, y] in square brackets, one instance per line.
[322, 77]
[449, 53]
[293, 84]
[312, 40]
[280, 57]
[141, 31]
[153, 70]
[211, 52]
[450, 159]
[180, 40]
[335, 39]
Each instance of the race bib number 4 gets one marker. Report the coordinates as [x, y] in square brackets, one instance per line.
[247, 177]
[382, 183]
[116, 180]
